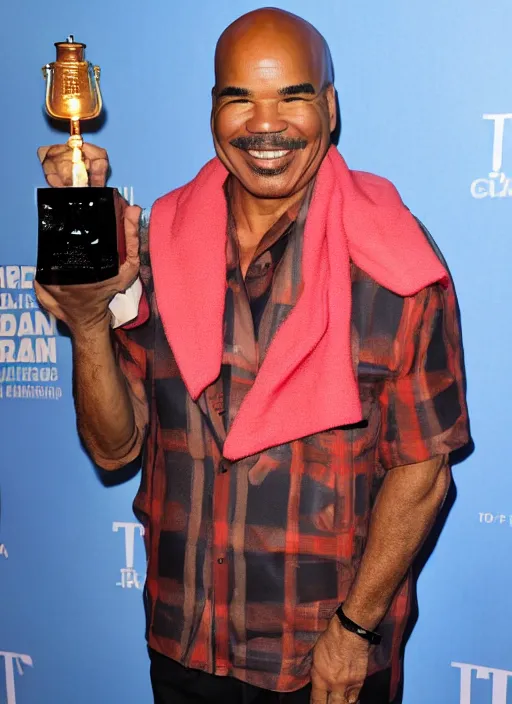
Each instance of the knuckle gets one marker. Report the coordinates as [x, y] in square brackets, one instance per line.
[54, 180]
[54, 150]
[98, 166]
[94, 151]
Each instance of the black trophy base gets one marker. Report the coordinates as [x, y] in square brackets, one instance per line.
[79, 233]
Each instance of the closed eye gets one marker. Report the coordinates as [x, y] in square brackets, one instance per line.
[240, 100]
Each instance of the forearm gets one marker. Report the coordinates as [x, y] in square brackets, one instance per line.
[110, 416]
[404, 513]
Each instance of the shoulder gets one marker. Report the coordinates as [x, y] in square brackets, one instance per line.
[167, 203]
[157, 215]
[168, 200]
[379, 189]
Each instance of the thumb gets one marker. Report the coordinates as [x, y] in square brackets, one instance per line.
[132, 215]
[319, 695]
[131, 231]
[352, 695]
[42, 152]
[129, 269]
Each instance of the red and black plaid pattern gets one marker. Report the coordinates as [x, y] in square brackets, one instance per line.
[248, 561]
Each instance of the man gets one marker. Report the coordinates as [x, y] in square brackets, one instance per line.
[293, 382]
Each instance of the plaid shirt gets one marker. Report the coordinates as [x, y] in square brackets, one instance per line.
[248, 561]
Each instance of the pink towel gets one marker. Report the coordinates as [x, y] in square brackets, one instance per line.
[306, 383]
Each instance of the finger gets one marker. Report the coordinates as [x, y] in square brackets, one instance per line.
[97, 169]
[58, 173]
[41, 153]
[132, 217]
[92, 152]
[54, 150]
[337, 698]
[129, 270]
[319, 695]
[54, 180]
[352, 695]
[128, 273]
[47, 301]
[131, 230]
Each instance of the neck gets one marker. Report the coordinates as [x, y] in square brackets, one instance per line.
[255, 216]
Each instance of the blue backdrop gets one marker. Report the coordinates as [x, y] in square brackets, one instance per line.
[425, 98]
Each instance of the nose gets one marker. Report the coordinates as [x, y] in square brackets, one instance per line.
[265, 119]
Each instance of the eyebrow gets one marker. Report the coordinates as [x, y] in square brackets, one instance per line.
[237, 92]
[234, 91]
[297, 89]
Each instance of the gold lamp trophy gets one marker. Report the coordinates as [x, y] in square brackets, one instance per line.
[81, 235]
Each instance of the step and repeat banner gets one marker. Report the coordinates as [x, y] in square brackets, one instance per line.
[426, 100]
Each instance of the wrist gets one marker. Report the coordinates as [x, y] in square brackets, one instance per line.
[365, 614]
[92, 333]
[370, 636]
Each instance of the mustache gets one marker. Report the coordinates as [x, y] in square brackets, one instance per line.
[267, 142]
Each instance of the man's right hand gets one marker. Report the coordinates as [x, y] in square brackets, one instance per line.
[84, 307]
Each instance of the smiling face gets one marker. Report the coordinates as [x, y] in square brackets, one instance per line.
[273, 103]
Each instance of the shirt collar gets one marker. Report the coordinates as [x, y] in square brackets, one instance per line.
[273, 234]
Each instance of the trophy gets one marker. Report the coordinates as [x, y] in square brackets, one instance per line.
[80, 234]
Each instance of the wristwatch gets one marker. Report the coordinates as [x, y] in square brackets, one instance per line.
[371, 636]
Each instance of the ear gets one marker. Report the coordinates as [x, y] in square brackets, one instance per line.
[212, 112]
[330, 94]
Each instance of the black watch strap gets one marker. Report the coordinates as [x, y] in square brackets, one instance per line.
[371, 636]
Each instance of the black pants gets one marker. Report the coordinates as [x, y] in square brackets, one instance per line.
[174, 684]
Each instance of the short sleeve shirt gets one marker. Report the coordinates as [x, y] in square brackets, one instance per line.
[248, 561]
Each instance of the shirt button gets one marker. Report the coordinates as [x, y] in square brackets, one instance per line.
[220, 560]
[223, 466]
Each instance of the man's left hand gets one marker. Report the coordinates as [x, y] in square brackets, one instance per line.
[340, 664]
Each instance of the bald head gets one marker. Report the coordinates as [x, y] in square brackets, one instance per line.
[274, 106]
[268, 29]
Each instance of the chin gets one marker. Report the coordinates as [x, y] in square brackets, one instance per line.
[275, 185]
[279, 182]
[268, 187]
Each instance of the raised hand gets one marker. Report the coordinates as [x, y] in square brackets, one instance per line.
[83, 307]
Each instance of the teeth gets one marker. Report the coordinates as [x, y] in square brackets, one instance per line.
[268, 155]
